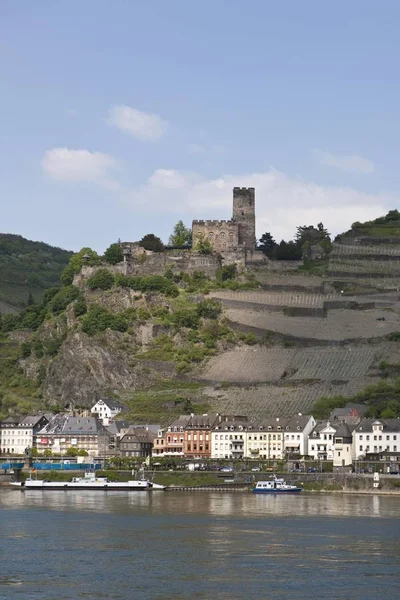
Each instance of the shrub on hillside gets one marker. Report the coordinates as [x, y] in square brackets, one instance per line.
[113, 254]
[101, 280]
[80, 307]
[209, 309]
[152, 283]
[65, 296]
[226, 273]
[99, 319]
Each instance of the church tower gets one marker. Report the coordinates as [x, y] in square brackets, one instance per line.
[244, 213]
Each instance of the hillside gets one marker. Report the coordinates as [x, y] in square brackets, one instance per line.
[27, 267]
[274, 340]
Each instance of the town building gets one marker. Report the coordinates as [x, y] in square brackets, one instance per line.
[265, 440]
[18, 434]
[229, 438]
[297, 430]
[343, 448]
[106, 410]
[320, 441]
[375, 436]
[197, 435]
[136, 442]
[81, 433]
[350, 414]
[170, 441]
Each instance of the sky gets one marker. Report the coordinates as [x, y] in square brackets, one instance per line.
[118, 118]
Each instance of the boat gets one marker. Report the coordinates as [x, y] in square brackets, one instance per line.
[88, 482]
[275, 486]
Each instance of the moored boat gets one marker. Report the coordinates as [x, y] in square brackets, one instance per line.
[88, 482]
[275, 486]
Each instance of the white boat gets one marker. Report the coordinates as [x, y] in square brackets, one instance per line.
[88, 482]
[275, 486]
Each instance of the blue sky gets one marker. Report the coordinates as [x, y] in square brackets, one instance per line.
[118, 118]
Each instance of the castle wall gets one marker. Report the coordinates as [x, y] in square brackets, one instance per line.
[223, 235]
[244, 213]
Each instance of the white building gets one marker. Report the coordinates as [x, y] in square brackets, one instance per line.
[106, 410]
[320, 441]
[374, 436]
[265, 440]
[17, 434]
[297, 430]
[343, 448]
[228, 439]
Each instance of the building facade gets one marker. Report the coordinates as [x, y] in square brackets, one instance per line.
[297, 430]
[320, 441]
[197, 435]
[106, 410]
[374, 436]
[81, 433]
[137, 442]
[238, 232]
[18, 434]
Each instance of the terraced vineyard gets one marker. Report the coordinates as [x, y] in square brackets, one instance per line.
[258, 365]
[285, 400]
[283, 299]
[338, 325]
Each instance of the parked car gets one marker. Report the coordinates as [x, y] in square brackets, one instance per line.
[256, 469]
[311, 470]
[226, 470]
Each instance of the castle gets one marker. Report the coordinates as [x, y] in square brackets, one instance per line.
[237, 234]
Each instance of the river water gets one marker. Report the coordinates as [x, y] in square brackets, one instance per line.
[181, 546]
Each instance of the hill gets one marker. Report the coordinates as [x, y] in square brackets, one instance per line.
[27, 267]
[271, 341]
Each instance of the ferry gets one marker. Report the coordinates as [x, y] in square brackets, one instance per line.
[88, 482]
[275, 486]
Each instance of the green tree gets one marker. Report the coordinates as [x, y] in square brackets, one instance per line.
[267, 244]
[151, 242]
[203, 246]
[101, 280]
[77, 260]
[181, 235]
[64, 296]
[113, 254]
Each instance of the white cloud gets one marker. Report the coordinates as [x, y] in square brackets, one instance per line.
[350, 163]
[282, 202]
[143, 126]
[64, 164]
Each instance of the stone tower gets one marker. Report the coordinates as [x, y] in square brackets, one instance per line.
[244, 213]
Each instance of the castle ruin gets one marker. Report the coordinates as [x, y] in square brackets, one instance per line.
[239, 233]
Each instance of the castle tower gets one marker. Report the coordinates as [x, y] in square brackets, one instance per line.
[244, 213]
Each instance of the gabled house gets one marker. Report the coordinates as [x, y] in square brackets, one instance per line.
[106, 410]
[136, 442]
[265, 439]
[297, 431]
[350, 414]
[18, 434]
[320, 441]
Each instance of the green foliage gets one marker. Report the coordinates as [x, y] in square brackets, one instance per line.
[226, 273]
[80, 307]
[113, 254]
[76, 262]
[27, 268]
[267, 245]
[152, 283]
[26, 349]
[382, 399]
[209, 309]
[99, 319]
[101, 279]
[203, 245]
[186, 317]
[65, 296]
[181, 236]
[288, 251]
[151, 242]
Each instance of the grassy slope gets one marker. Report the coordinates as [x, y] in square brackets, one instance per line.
[27, 267]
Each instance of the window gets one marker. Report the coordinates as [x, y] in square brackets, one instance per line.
[361, 437]
[361, 448]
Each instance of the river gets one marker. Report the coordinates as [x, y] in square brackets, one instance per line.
[198, 545]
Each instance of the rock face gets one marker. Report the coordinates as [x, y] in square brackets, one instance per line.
[85, 367]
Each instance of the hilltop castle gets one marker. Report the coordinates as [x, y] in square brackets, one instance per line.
[237, 234]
